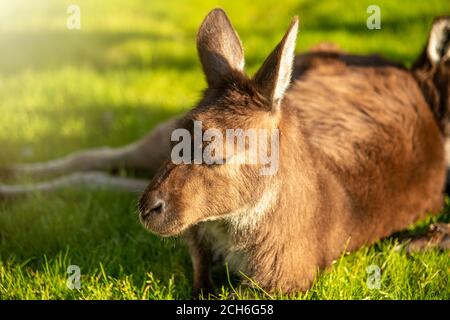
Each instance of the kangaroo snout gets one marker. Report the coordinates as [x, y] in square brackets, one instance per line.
[160, 214]
[152, 211]
[154, 206]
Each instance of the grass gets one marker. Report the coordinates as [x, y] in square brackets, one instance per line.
[132, 65]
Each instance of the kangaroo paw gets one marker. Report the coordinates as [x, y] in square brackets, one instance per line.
[438, 236]
[204, 292]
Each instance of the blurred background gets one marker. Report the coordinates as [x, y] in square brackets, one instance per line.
[131, 65]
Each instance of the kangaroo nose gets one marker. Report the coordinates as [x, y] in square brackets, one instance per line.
[154, 206]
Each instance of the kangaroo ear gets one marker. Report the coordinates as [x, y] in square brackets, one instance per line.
[219, 47]
[274, 76]
[438, 48]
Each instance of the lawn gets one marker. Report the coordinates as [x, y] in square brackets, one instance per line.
[132, 65]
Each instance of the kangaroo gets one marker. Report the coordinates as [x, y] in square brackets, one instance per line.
[360, 156]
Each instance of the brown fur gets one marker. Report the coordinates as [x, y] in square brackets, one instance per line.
[361, 156]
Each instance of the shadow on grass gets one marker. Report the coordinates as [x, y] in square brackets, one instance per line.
[99, 232]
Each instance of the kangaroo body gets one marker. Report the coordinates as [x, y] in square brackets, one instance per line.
[362, 157]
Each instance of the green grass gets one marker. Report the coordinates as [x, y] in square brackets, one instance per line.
[132, 65]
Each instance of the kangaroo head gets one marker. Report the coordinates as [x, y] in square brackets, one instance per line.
[224, 157]
[432, 70]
